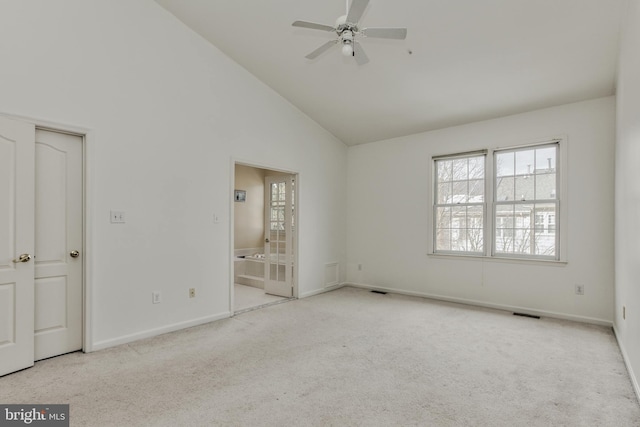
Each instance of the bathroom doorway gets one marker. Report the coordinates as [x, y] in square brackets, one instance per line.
[264, 237]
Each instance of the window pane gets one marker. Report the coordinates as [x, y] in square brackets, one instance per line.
[524, 162]
[545, 233]
[505, 189]
[443, 240]
[459, 239]
[551, 226]
[460, 169]
[504, 164]
[444, 170]
[546, 186]
[460, 191]
[476, 191]
[475, 228]
[546, 159]
[443, 218]
[522, 241]
[503, 239]
[475, 217]
[476, 167]
[540, 220]
[524, 187]
[459, 217]
[444, 193]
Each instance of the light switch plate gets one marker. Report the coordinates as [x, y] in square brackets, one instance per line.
[117, 217]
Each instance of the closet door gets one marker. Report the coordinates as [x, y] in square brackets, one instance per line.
[58, 237]
[17, 148]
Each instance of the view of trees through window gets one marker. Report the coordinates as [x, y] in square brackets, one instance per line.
[523, 210]
[460, 204]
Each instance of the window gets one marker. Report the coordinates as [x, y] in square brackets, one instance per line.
[524, 188]
[460, 204]
[525, 192]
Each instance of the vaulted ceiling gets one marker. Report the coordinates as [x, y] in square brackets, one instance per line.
[462, 60]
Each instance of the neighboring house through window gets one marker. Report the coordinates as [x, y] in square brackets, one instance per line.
[524, 204]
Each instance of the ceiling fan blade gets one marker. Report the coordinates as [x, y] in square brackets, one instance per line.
[385, 33]
[321, 49]
[359, 55]
[356, 10]
[313, 26]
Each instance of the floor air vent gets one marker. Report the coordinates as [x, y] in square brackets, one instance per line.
[379, 292]
[526, 315]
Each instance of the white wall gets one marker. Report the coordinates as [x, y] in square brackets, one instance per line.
[627, 247]
[249, 215]
[167, 112]
[389, 187]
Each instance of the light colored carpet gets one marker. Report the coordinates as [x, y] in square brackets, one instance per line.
[245, 297]
[348, 357]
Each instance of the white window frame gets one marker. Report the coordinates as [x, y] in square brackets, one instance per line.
[535, 201]
[436, 205]
[561, 215]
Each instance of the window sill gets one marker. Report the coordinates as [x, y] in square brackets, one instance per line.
[547, 262]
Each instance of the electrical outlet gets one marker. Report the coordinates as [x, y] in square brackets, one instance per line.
[156, 297]
[192, 292]
[579, 289]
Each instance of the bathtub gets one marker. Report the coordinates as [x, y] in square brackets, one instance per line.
[249, 270]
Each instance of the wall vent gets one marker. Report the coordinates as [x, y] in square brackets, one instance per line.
[532, 316]
[331, 274]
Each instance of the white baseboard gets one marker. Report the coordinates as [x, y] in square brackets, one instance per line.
[101, 345]
[552, 314]
[625, 357]
[322, 290]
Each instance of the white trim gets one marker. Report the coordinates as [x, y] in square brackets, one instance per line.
[88, 150]
[477, 303]
[625, 357]
[516, 260]
[101, 345]
[323, 290]
[50, 125]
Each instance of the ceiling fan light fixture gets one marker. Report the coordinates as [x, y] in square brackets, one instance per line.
[347, 48]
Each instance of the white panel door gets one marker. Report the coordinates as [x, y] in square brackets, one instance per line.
[58, 237]
[278, 272]
[16, 245]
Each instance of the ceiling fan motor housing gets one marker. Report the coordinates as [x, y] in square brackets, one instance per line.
[342, 25]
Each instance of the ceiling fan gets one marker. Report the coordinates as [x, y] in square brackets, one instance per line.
[347, 29]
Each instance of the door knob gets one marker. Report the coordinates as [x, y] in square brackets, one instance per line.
[267, 240]
[23, 258]
[74, 254]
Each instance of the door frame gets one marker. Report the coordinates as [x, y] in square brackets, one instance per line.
[296, 233]
[87, 137]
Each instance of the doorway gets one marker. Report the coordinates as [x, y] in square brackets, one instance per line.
[264, 237]
[41, 258]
